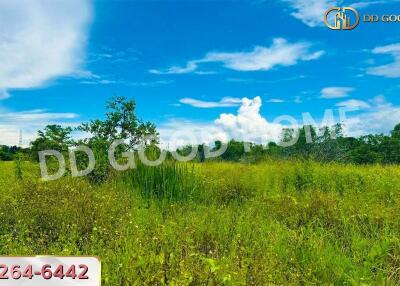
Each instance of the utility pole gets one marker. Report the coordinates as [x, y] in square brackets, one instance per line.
[20, 139]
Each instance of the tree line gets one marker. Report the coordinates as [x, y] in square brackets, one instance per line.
[327, 144]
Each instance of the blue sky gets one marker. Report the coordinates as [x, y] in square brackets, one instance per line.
[190, 64]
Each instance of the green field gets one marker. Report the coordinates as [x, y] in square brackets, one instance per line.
[275, 223]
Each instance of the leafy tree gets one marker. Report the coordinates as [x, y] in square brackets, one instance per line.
[120, 123]
[302, 147]
[53, 137]
[9, 153]
[234, 151]
[396, 132]
[391, 146]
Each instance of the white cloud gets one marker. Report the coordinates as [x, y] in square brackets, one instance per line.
[108, 55]
[29, 122]
[89, 77]
[247, 125]
[280, 53]
[276, 100]
[190, 67]
[224, 102]
[335, 92]
[380, 101]
[376, 116]
[41, 40]
[381, 117]
[310, 12]
[353, 104]
[33, 116]
[391, 70]
[360, 5]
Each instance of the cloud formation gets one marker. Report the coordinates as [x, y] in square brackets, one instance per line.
[276, 100]
[353, 104]
[360, 5]
[280, 53]
[335, 92]
[29, 122]
[380, 117]
[372, 117]
[311, 12]
[41, 40]
[247, 125]
[391, 70]
[224, 102]
[191, 66]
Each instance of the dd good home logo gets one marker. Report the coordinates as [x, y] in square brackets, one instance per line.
[345, 18]
[384, 18]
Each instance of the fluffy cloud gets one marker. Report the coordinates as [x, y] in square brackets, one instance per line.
[391, 70]
[224, 102]
[280, 53]
[372, 117]
[247, 125]
[335, 92]
[41, 40]
[29, 122]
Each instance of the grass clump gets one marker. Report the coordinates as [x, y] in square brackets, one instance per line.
[171, 181]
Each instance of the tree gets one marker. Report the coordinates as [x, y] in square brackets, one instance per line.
[391, 146]
[396, 132]
[53, 137]
[120, 123]
[9, 153]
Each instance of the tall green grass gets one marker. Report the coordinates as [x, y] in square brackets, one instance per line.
[171, 181]
[275, 223]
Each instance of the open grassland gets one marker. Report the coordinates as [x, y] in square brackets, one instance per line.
[276, 223]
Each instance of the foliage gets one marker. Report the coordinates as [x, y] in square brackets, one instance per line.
[303, 221]
[9, 153]
[53, 137]
[325, 145]
[120, 123]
